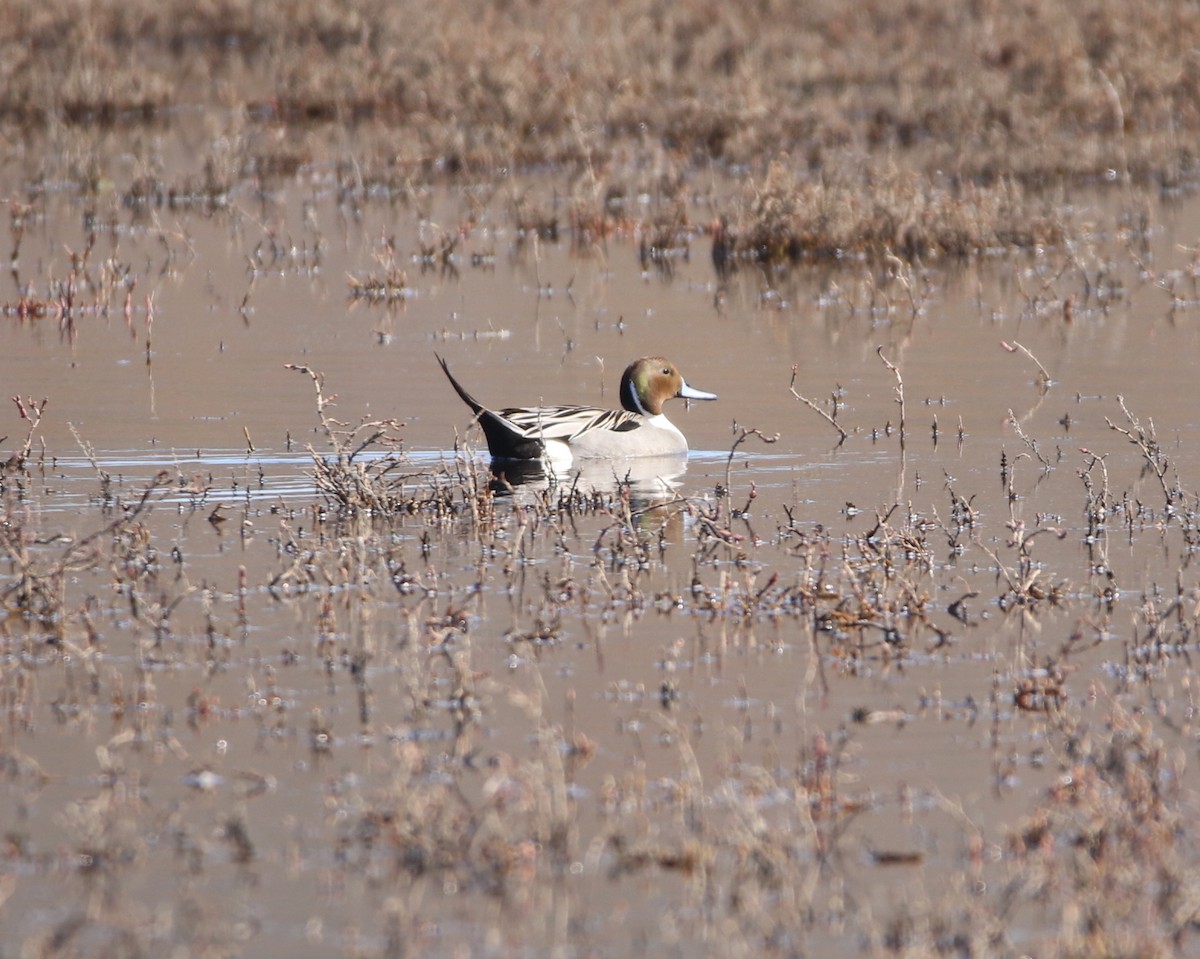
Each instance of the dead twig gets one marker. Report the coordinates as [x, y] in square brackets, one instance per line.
[743, 435]
[831, 420]
[31, 412]
[1028, 441]
[899, 389]
[1145, 439]
[350, 479]
[1044, 381]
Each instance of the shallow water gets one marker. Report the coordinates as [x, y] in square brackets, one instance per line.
[214, 761]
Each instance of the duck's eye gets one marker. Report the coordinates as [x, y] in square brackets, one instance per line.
[666, 371]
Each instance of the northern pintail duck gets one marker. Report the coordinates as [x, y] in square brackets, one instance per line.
[560, 434]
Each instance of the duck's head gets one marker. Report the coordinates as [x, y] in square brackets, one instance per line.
[649, 382]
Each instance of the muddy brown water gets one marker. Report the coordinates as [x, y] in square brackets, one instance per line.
[211, 786]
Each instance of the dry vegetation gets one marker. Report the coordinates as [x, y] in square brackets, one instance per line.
[917, 129]
[1104, 862]
[980, 90]
[899, 132]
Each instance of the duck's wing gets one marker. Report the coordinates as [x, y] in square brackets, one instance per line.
[564, 423]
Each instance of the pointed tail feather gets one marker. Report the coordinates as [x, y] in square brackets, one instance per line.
[505, 441]
[476, 406]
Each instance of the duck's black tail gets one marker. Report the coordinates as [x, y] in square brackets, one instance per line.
[476, 406]
[505, 441]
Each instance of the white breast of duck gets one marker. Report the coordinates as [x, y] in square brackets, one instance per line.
[642, 436]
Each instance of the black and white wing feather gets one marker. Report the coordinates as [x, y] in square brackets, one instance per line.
[566, 422]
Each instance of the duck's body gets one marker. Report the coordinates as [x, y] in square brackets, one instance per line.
[561, 434]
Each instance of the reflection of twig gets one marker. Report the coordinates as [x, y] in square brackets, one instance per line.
[1031, 443]
[1034, 299]
[902, 273]
[1164, 281]
[36, 586]
[899, 389]
[831, 420]
[743, 435]
[1044, 380]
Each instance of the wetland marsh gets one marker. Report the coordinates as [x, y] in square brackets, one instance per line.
[901, 664]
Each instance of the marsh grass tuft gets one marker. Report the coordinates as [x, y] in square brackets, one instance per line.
[362, 474]
[877, 215]
[389, 283]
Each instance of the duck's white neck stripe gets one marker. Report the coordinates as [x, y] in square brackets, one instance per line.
[635, 400]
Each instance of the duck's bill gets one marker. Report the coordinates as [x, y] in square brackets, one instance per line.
[688, 393]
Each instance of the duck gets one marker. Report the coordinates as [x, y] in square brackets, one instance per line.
[559, 435]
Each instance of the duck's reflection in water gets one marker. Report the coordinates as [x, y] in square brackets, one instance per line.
[650, 480]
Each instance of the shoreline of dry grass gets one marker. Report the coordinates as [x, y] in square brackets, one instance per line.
[1043, 93]
[928, 133]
